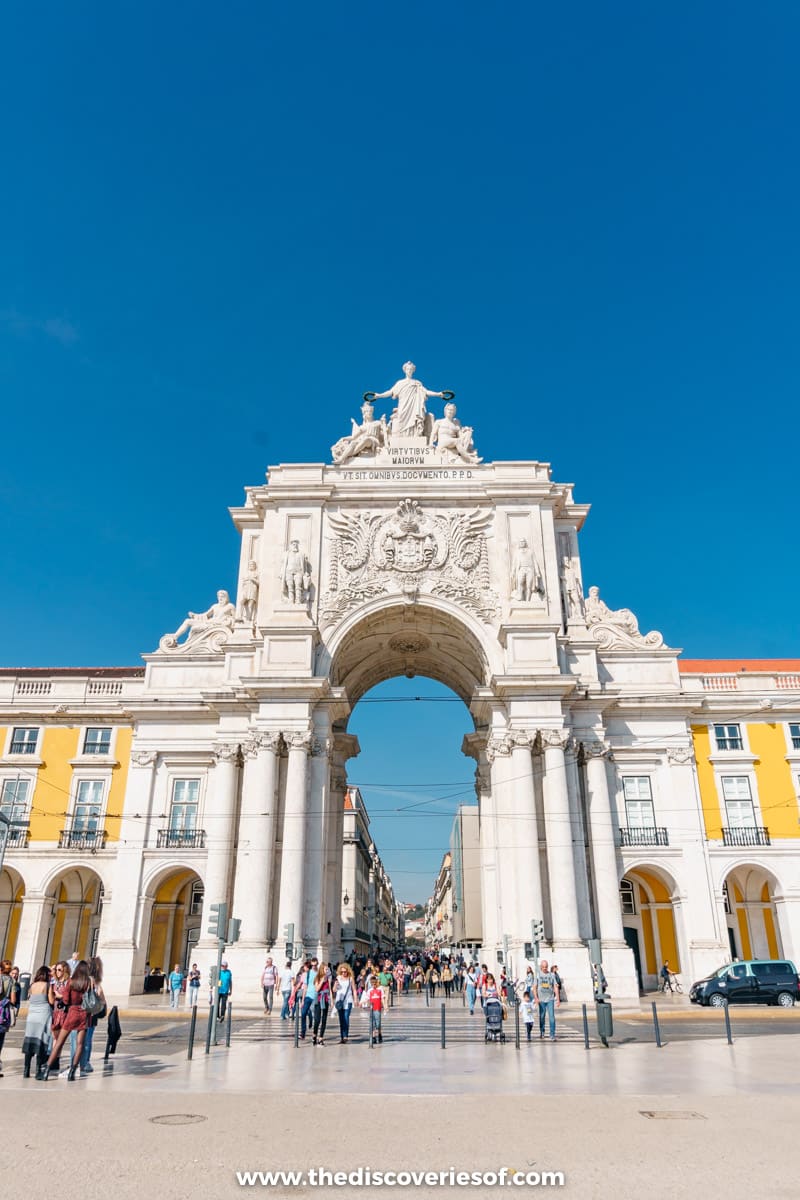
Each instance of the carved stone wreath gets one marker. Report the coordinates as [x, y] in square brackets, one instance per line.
[410, 551]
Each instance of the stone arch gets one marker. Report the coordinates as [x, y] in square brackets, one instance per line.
[12, 893]
[655, 921]
[750, 890]
[172, 916]
[384, 640]
[76, 894]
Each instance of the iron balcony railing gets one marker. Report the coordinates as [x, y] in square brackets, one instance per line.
[82, 839]
[181, 839]
[746, 835]
[647, 836]
[17, 836]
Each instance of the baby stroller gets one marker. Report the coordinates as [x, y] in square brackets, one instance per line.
[493, 1011]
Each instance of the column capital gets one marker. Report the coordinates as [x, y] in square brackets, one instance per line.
[321, 747]
[143, 758]
[299, 740]
[499, 746]
[259, 740]
[338, 781]
[522, 739]
[227, 752]
[554, 739]
[596, 749]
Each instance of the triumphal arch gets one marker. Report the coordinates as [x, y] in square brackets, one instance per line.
[405, 554]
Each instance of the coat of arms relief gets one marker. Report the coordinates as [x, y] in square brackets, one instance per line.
[411, 551]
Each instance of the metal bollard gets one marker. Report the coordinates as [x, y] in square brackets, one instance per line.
[444, 1040]
[656, 1026]
[728, 1024]
[427, 996]
[210, 1030]
[296, 1024]
[391, 997]
[516, 1025]
[228, 1025]
[192, 1027]
[585, 1027]
[371, 1028]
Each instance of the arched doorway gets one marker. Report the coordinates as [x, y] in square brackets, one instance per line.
[753, 926]
[647, 895]
[77, 899]
[174, 922]
[12, 891]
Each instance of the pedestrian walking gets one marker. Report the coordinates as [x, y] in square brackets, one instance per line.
[286, 981]
[546, 996]
[96, 981]
[385, 982]
[6, 1004]
[75, 1017]
[322, 1003]
[225, 990]
[561, 991]
[527, 1010]
[377, 1007]
[38, 1026]
[195, 978]
[344, 998]
[447, 980]
[175, 985]
[472, 988]
[308, 994]
[269, 981]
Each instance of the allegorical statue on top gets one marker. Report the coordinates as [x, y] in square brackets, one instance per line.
[206, 630]
[442, 440]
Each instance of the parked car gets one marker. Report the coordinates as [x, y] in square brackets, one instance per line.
[754, 981]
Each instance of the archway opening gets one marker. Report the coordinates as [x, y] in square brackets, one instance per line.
[77, 898]
[12, 892]
[752, 920]
[648, 915]
[175, 899]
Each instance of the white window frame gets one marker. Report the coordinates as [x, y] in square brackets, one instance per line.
[102, 755]
[173, 804]
[790, 746]
[740, 737]
[638, 799]
[79, 782]
[24, 754]
[29, 784]
[749, 799]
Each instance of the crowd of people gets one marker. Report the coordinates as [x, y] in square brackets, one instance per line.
[65, 1000]
[310, 992]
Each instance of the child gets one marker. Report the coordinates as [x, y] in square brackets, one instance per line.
[377, 1004]
[527, 1012]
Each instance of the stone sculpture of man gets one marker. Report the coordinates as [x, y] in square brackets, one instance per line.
[409, 419]
[525, 579]
[295, 574]
[597, 610]
[221, 614]
[573, 593]
[366, 438]
[248, 603]
[453, 438]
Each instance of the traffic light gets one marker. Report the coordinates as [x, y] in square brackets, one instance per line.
[234, 926]
[288, 936]
[218, 920]
[538, 930]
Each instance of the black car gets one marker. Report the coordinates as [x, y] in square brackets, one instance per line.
[754, 981]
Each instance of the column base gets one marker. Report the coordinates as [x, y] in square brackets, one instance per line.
[619, 967]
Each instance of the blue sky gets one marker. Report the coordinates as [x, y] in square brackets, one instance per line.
[218, 227]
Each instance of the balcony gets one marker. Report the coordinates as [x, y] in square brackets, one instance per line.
[746, 835]
[181, 839]
[82, 839]
[631, 836]
[17, 836]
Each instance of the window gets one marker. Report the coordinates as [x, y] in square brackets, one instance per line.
[729, 737]
[97, 741]
[627, 898]
[23, 741]
[196, 903]
[794, 734]
[14, 800]
[738, 801]
[726, 898]
[88, 806]
[638, 802]
[185, 797]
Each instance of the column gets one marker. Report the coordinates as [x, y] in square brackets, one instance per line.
[314, 920]
[496, 837]
[34, 923]
[335, 854]
[118, 926]
[295, 818]
[558, 830]
[255, 857]
[220, 828]
[525, 839]
[602, 844]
